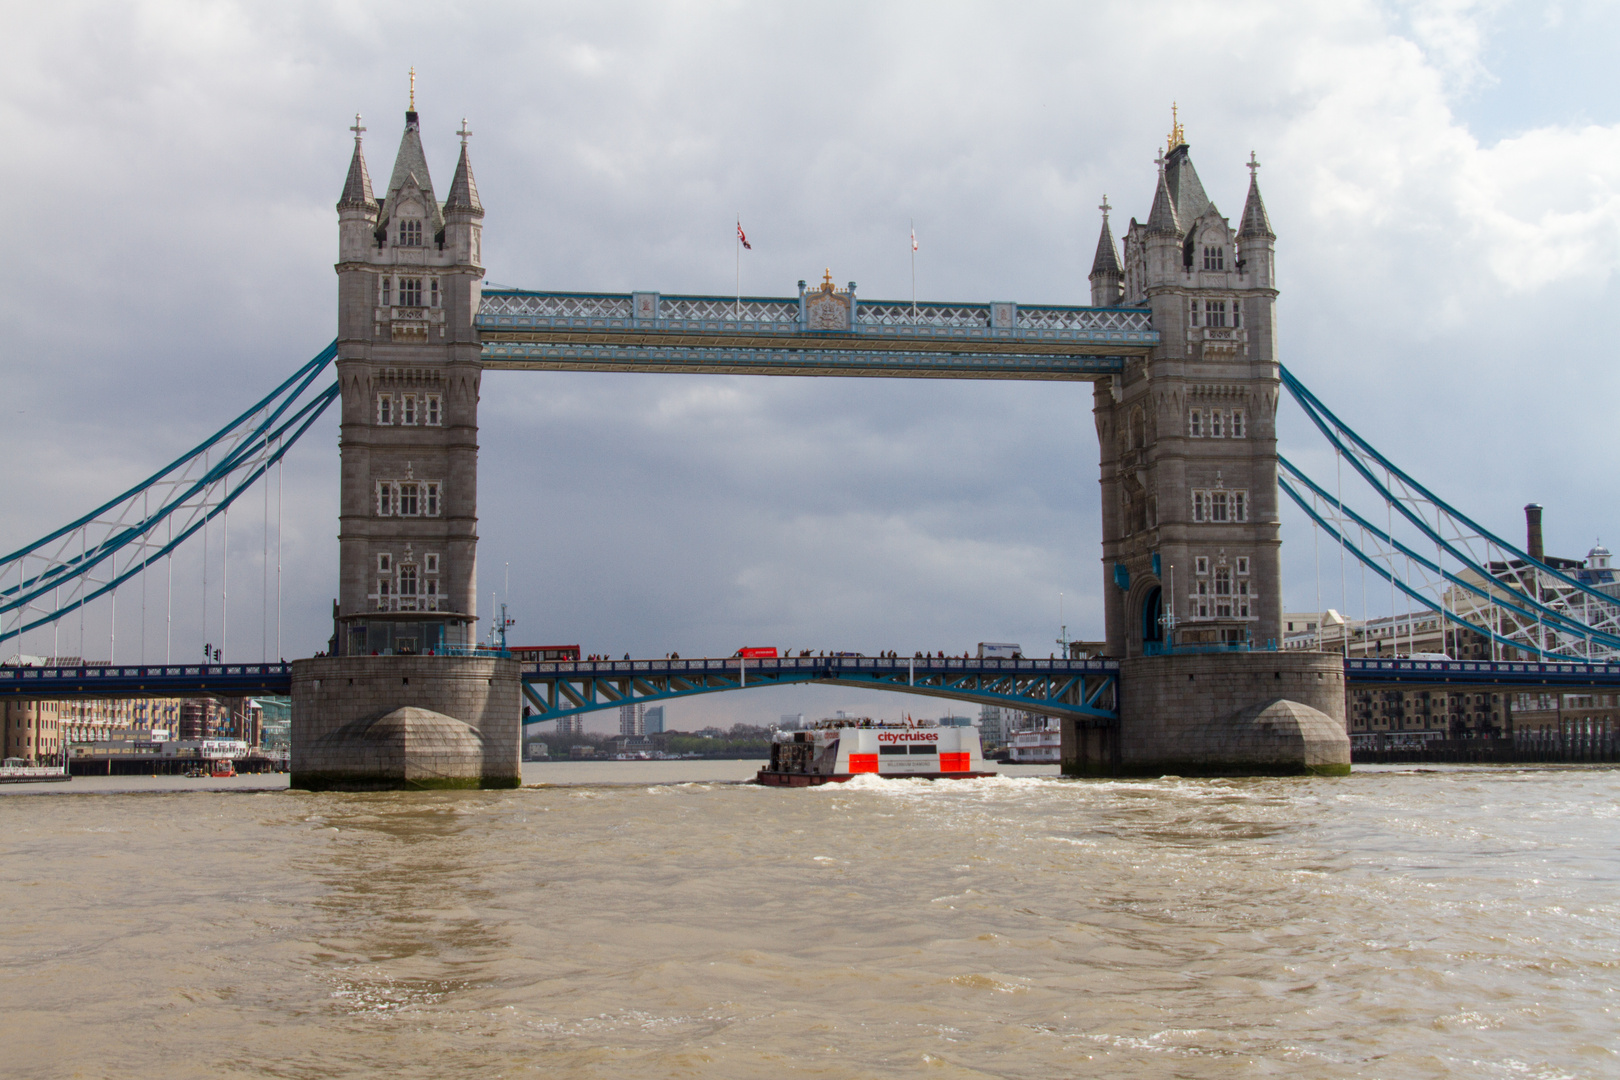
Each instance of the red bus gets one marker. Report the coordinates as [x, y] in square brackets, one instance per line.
[543, 654]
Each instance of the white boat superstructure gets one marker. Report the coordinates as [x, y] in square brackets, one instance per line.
[837, 750]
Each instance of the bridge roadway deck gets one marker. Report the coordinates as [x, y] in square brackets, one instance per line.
[1510, 673]
[649, 332]
[1084, 689]
[586, 685]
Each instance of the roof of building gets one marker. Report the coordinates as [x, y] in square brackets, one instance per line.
[411, 170]
[357, 186]
[1256, 222]
[1162, 218]
[1107, 260]
[463, 188]
[1186, 190]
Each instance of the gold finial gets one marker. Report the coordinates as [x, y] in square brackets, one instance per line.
[826, 281]
[1177, 138]
[413, 89]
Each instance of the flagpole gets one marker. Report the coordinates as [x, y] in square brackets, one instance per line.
[914, 270]
[736, 312]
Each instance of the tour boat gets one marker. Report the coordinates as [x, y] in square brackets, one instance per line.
[838, 750]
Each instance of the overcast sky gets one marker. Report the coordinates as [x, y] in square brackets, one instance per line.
[1444, 180]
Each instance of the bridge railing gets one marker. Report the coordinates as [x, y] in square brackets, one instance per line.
[515, 309]
[925, 665]
[1374, 669]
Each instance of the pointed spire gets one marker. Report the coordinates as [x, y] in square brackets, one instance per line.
[410, 167]
[357, 187]
[463, 189]
[1255, 220]
[1162, 218]
[1107, 260]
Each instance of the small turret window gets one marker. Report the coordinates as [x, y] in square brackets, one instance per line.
[387, 291]
[430, 409]
[385, 408]
[410, 233]
[434, 287]
[1214, 257]
[407, 409]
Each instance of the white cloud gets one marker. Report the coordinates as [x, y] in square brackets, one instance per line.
[173, 170]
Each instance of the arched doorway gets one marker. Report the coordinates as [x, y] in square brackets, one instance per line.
[1152, 619]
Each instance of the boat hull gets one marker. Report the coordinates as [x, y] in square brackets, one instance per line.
[786, 779]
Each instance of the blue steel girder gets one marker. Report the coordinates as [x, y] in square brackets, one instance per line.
[164, 680]
[1523, 674]
[648, 332]
[1084, 689]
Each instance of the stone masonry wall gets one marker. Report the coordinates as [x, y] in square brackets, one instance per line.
[485, 694]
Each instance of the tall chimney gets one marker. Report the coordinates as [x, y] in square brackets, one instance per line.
[1532, 528]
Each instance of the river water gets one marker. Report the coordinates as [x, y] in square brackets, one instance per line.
[1395, 923]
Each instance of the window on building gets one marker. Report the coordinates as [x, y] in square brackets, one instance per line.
[1214, 312]
[1200, 600]
[407, 409]
[430, 496]
[430, 564]
[385, 499]
[385, 408]
[1201, 565]
[432, 601]
[430, 410]
[1200, 505]
[1240, 506]
[1214, 257]
[410, 233]
[387, 290]
[385, 563]
[408, 500]
[407, 580]
[383, 586]
[1217, 423]
[410, 292]
[1196, 316]
[1242, 564]
[1237, 423]
[1217, 506]
[1195, 423]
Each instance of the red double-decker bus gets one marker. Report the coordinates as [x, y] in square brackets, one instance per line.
[543, 654]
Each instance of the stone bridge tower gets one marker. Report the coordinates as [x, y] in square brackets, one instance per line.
[1188, 456]
[408, 362]
[400, 703]
[1188, 437]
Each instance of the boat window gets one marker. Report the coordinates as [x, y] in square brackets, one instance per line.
[923, 748]
[891, 749]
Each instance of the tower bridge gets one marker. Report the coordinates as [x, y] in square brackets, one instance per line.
[1179, 340]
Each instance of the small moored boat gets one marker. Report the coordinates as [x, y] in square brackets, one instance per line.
[837, 750]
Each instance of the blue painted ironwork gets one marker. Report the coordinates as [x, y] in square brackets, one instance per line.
[226, 680]
[1085, 689]
[773, 336]
[1549, 611]
[92, 556]
[1526, 609]
[1524, 673]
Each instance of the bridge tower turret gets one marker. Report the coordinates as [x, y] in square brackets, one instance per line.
[408, 364]
[1188, 453]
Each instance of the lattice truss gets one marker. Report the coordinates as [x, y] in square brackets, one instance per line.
[1442, 560]
[1082, 690]
[91, 557]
